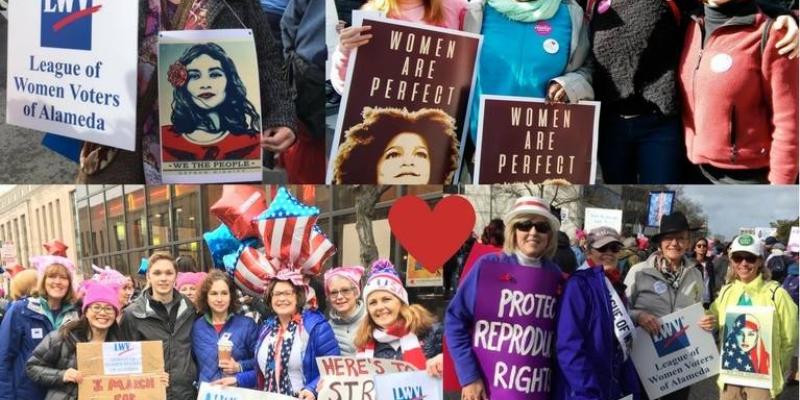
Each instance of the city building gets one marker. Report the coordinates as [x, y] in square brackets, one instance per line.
[31, 215]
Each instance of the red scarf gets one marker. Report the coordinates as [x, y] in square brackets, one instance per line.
[409, 344]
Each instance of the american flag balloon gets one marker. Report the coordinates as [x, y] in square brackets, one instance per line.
[253, 271]
[321, 249]
[285, 228]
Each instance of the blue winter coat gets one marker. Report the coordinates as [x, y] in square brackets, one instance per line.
[590, 364]
[24, 326]
[459, 317]
[321, 342]
[243, 331]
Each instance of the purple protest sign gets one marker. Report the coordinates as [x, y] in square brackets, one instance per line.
[514, 332]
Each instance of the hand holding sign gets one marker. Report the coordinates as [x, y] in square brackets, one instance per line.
[432, 236]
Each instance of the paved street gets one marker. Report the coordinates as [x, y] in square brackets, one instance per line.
[22, 157]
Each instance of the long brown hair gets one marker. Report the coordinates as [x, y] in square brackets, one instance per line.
[83, 331]
[417, 319]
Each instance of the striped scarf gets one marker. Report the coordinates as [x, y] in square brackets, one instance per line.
[409, 344]
[664, 266]
[276, 375]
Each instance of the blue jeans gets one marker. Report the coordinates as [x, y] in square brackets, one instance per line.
[647, 149]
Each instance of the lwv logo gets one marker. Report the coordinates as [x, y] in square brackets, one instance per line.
[67, 24]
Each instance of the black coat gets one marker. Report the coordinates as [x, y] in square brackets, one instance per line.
[142, 322]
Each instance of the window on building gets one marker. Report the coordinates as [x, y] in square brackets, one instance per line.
[211, 194]
[116, 219]
[158, 214]
[186, 212]
[136, 219]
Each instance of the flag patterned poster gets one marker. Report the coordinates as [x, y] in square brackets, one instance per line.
[747, 346]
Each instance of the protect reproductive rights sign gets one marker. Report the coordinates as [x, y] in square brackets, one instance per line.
[514, 331]
[72, 69]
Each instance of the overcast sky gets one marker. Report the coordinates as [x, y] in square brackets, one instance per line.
[730, 207]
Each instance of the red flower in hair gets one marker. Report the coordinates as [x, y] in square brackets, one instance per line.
[177, 74]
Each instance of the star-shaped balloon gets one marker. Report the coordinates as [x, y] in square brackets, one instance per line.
[285, 229]
[320, 250]
[238, 207]
[221, 242]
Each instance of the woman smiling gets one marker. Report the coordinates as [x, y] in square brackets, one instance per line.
[347, 310]
[54, 362]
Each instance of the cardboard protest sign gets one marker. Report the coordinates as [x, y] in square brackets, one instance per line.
[523, 139]
[405, 108]
[8, 253]
[350, 378]
[217, 392]
[209, 106]
[121, 371]
[418, 276]
[681, 355]
[597, 217]
[407, 386]
[659, 204]
[747, 346]
[515, 302]
[72, 69]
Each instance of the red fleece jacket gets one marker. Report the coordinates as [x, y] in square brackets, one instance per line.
[739, 105]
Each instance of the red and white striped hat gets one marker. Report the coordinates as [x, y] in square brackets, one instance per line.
[532, 205]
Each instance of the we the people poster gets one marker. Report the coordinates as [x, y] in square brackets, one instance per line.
[747, 346]
[209, 106]
[72, 69]
[523, 139]
[404, 109]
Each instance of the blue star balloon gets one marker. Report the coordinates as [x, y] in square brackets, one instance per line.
[221, 242]
[143, 266]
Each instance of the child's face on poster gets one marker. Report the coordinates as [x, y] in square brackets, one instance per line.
[747, 339]
[405, 161]
[207, 82]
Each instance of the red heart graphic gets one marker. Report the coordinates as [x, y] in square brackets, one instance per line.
[432, 237]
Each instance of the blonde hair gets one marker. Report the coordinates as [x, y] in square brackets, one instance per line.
[23, 284]
[52, 270]
[417, 319]
[510, 245]
[731, 276]
[434, 12]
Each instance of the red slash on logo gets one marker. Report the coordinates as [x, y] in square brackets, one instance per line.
[126, 351]
[675, 336]
[75, 16]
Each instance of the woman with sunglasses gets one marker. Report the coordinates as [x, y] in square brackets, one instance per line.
[665, 282]
[750, 285]
[342, 287]
[530, 240]
[706, 267]
[594, 327]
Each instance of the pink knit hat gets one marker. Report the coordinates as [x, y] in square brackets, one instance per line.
[352, 274]
[109, 277]
[99, 293]
[190, 278]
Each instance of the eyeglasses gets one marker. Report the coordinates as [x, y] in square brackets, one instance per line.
[525, 226]
[100, 309]
[701, 245]
[612, 247]
[346, 293]
[286, 293]
[750, 258]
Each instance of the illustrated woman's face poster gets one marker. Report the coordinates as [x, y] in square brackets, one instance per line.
[402, 118]
[209, 107]
[747, 346]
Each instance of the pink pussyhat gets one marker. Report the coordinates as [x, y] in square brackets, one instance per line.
[352, 274]
[99, 293]
[190, 278]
